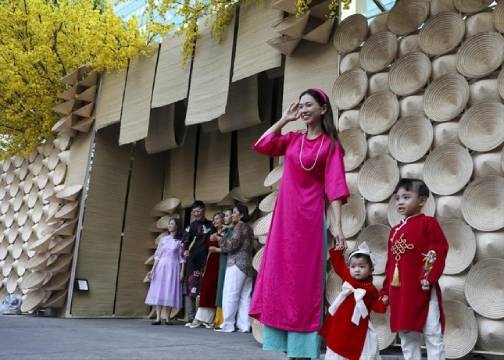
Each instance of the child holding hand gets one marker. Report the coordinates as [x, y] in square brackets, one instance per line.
[417, 249]
[346, 329]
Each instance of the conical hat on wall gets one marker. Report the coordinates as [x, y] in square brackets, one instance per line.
[274, 176]
[351, 180]
[438, 6]
[12, 284]
[38, 261]
[481, 127]
[484, 91]
[60, 264]
[376, 237]
[449, 207]
[34, 280]
[32, 300]
[480, 55]
[408, 44]
[349, 61]
[333, 286]
[499, 17]
[262, 225]
[349, 88]
[480, 23]
[57, 282]
[379, 112]
[407, 15]
[378, 177]
[452, 287]
[447, 169]
[378, 24]
[410, 73]
[379, 82]
[412, 170]
[445, 133]
[483, 203]
[394, 217]
[471, 6]
[489, 245]
[443, 65]
[446, 97]
[353, 216]
[350, 33]
[268, 203]
[461, 330]
[63, 246]
[378, 51]
[381, 324]
[348, 120]
[410, 138]
[491, 335]
[448, 26]
[378, 145]
[411, 105]
[376, 213]
[256, 261]
[488, 164]
[354, 143]
[69, 193]
[485, 277]
[462, 245]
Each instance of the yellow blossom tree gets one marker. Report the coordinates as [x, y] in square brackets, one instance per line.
[40, 42]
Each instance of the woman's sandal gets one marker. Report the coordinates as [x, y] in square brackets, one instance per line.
[169, 322]
[157, 322]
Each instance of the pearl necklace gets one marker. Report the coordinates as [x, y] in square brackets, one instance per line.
[316, 158]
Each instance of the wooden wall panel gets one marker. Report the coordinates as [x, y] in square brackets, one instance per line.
[101, 235]
[145, 191]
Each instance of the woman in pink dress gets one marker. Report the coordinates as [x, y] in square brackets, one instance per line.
[288, 296]
[165, 291]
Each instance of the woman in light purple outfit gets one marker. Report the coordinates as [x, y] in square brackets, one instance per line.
[165, 291]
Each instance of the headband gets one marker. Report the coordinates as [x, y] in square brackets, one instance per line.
[322, 94]
[363, 249]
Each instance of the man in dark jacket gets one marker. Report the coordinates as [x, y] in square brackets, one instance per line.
[196, 252]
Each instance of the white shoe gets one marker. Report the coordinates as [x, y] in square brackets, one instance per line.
[208, 326]
[223, 330]
[195, 324]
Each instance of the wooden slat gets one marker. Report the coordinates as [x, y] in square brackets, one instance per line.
[242, 107]
[253, 54]
[145, 190]
[212, 174]
[172, 76]
[252, 167]
[78, 160]
[110, 98]
[210, 77]
[313, 65]
[137, 99]
[179, 170]
[101, 234]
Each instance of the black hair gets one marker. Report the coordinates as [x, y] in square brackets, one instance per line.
[220, 213]
[415, 185]
[198, 203]
[362, 256]
[243, 210]
[179, 232]
[328, 126]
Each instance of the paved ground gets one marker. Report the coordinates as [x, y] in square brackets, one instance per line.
[39, 338]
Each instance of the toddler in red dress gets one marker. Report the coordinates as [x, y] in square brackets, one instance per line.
[347, 330]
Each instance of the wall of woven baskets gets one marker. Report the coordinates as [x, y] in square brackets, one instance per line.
[39, 207]
[420, 95]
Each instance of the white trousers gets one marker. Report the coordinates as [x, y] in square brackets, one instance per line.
[236, 300]
[412, 340]
[206, 315]
[370, 350]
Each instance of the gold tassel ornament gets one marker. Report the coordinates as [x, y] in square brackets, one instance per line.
[395, 277]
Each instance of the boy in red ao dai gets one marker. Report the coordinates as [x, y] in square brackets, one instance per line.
[347, 330]
[416, 256]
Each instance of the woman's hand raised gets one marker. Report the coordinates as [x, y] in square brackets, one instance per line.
[291, 113]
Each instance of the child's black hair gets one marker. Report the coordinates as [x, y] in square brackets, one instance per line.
[361, 256]
[415, 185]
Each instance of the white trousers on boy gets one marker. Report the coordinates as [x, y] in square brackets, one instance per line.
[236, 300]
[412, 340]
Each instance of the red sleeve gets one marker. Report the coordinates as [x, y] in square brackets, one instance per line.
[273, 144]
[335, 181]
[438, 243]
[388, 269]
[338, 263]
[379, 306]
